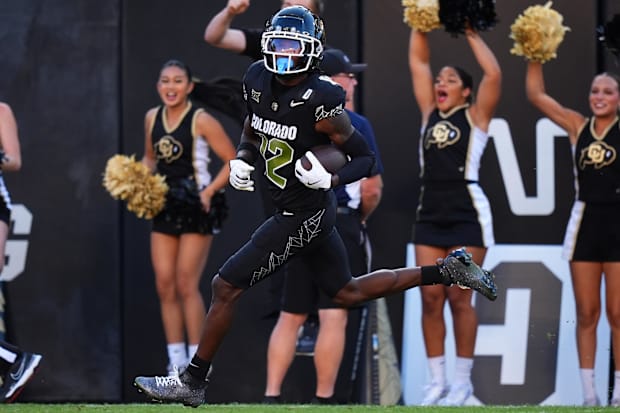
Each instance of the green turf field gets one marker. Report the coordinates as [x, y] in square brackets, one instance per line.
[298, 408]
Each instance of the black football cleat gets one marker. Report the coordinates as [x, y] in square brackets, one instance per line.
[173, 389]
[458, 268]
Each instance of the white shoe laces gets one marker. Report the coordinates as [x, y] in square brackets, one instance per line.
[171, 380]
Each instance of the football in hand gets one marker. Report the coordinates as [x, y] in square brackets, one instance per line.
[328, 155]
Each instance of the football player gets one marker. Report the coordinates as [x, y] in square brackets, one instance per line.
[334, 356]
[292, 108]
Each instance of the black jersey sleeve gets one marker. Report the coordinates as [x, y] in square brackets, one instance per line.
[253, 47]
[362, 160]
[330, 102]
[250, 80]
[329, 99]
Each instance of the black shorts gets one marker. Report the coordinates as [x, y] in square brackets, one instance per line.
[183, 218]
[453, 213]
[306, 236]
[593, 233]
[5, 203]
[301, 293]
[5, 213]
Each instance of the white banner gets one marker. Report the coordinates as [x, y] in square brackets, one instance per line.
[17, 249]
[526, 350]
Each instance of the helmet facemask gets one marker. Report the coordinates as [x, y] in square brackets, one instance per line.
[293, 41]
[289, 52]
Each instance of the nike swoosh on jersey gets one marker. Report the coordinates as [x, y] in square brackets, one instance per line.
[297, 103]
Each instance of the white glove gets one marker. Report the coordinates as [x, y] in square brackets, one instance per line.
[240, 175]
[315, 178]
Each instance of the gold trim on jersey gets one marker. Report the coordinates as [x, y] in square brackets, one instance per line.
[452, 111]
[164, 118]
[195, 137]
[193, 129]
[605, 132]
[153, 120]
[471, 142]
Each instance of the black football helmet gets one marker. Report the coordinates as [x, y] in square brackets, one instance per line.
[293, 41]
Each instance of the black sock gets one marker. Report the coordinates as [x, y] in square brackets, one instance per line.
[431, 275]
[5, 365]
[199, 368]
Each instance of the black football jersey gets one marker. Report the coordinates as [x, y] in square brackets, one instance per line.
[284, 118]
[179, 153]
[451, 147]
[597, 164]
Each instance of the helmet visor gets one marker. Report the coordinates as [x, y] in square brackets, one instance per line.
[289, 52]
[292, 47]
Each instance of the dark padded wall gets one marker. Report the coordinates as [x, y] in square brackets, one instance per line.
[609, 61]
[80, 77]
[60, 65]
[389, 103]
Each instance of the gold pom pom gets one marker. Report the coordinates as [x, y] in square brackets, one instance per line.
[421, 15]
[120, 176]
[538, 33]
[128, 180]
[149, 197]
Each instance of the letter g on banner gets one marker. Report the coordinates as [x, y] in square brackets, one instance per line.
[16, 249]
